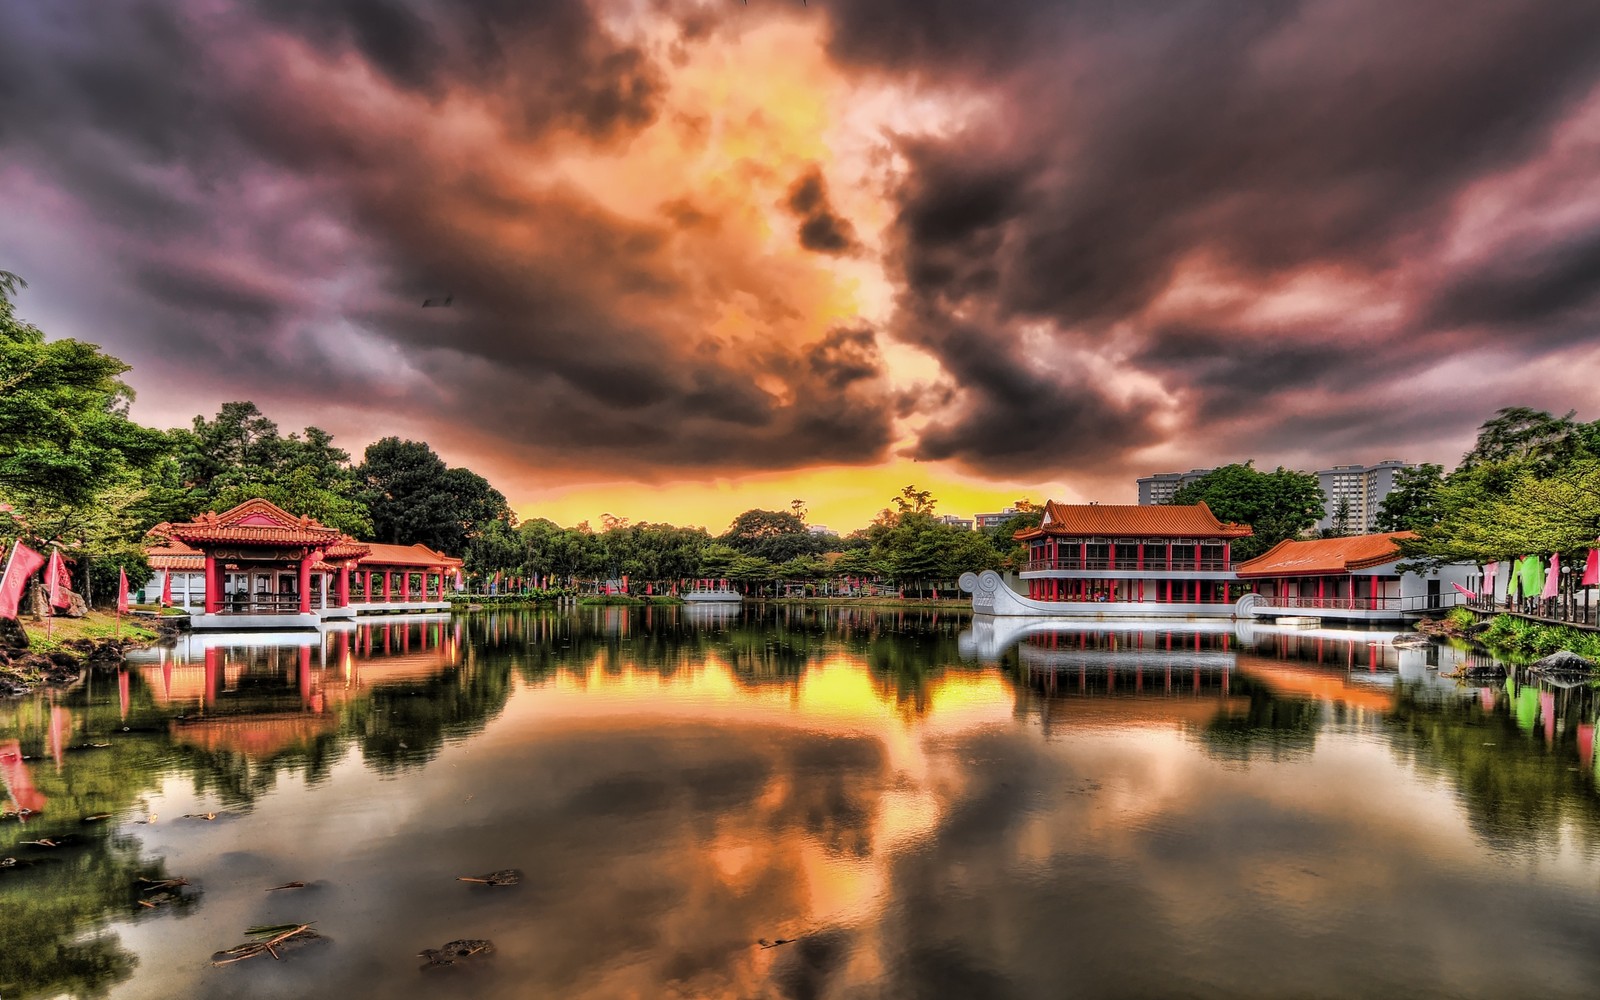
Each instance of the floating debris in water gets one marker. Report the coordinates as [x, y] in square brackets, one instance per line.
[152, 884]
[764, 943]
[97, 817]
[17, 864]
[287, 885]
[454, 953]
[155, 893]
[508, 876]
[278, 938]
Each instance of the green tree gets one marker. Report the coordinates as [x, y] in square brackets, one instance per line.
[773, 535]
[71, 462]
[1413, 501]
[414, 497]
[1523, 434]
[914, 501]
[1339, 520]
[716, 560]
[1003, 537]
[1535, 514]
[1277, 505]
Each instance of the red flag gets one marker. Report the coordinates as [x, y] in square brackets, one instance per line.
[60, 583]
[122, 591]
[24, 562]
[166, 588]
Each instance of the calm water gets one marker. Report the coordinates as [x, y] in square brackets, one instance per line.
[931, 806]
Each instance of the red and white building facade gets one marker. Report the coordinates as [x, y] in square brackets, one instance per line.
[1098, 561]
[1350, 579]
[258, 566]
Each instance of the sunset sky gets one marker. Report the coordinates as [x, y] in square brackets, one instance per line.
[707, 255]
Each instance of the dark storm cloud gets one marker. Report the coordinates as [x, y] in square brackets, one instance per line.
[1124, 142]
[1012, 413]
[257, 177]
[1529, 287]
[821, 228]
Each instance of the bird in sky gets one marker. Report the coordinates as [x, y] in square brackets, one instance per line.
[438, 302]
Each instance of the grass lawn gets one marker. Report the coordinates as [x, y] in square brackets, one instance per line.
[96, 625]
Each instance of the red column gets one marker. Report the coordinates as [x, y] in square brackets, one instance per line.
[213, 585]
[388, 588]
[1141, 558]
[305, 582]
[344, 586]
[366, 586]
[441, 583]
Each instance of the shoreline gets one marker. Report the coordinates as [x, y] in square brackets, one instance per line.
[58, 656]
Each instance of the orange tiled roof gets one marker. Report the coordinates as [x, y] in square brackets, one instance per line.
[405, 555]
[1130, 520]
[1322, 556]
[167, 553]
[257, 521]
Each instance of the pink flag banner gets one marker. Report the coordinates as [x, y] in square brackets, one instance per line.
[122, 591]
[1553, 581]
[59, 584]
[1470, 595]
[1591, 571]
[23, 563]
[1490, 572]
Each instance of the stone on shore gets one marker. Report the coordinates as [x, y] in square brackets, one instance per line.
[1564, 662]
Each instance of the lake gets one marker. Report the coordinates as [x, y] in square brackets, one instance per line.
[914, 804]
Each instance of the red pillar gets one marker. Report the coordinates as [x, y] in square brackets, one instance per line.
[213, 585]
[305, 582]
[388, 586]
[366, 586]
[344, 586]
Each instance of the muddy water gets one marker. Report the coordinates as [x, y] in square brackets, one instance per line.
[919, 805]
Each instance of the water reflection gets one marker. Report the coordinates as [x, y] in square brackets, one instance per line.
[931, 806]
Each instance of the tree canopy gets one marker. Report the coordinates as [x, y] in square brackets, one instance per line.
[1413, 500]
[1277, 505]
[71, 462]
[413, 496]
[1529, 485]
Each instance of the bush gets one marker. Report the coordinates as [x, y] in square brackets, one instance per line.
[1530, 638]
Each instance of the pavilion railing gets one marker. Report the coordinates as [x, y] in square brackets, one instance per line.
[1129, 565]
[1419, 602]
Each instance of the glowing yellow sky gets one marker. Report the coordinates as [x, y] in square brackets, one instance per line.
[841, 498]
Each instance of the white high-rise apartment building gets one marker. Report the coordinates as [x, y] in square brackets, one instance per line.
[1160, 487]
[1363, 487]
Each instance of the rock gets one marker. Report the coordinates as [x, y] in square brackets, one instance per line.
[1563, 662]
[75, 606]
[61, 658]
[106, 654]
[12, 635]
